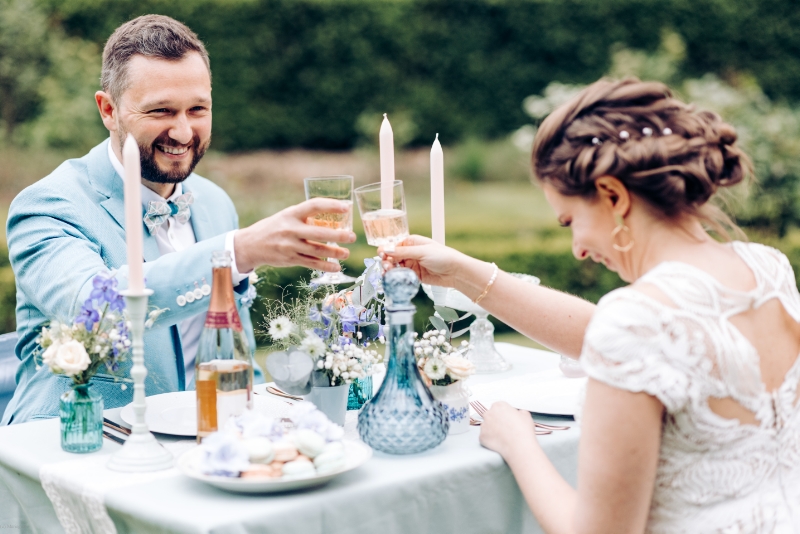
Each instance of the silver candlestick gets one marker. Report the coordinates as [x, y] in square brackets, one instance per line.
[141, 452]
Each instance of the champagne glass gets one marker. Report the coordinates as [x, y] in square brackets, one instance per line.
[385, 222]
[339, 188]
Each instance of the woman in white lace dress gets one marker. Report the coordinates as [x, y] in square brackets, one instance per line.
[690, 421]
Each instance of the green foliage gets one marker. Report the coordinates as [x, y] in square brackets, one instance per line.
[23, 61]
[314, 72]
[47, 82]
[769, 131]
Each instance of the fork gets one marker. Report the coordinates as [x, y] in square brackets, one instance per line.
[279, 393]
[481, 409]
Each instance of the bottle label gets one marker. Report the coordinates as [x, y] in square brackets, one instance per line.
[229, 319]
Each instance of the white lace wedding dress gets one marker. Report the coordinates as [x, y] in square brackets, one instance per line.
[715, 475]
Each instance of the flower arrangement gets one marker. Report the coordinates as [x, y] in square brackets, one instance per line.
[352, 315]
[340, 363]
[98, 338]
[336, 329]
[440, 362]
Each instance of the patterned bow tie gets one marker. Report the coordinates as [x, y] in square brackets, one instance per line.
[158, 211]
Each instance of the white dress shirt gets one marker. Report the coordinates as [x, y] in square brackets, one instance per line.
[174, 236]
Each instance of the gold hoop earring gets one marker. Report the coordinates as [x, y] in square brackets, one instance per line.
[621, 227]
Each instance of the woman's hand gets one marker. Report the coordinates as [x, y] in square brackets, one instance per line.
[505, 429]
[434, 264]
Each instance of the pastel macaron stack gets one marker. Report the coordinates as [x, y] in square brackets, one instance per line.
[299, 454]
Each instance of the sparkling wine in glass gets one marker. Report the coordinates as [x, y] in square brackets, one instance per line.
[385, 225]
[339, 188]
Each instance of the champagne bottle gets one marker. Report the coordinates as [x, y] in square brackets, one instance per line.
[224, 365]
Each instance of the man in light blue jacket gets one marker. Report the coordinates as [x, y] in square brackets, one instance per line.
[70, 226]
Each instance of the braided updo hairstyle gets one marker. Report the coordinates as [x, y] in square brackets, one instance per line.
[663, 151]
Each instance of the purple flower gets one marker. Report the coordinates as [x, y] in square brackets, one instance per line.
[118, 304]
[349, 317]
[88, 315]
[105, 289]
[345, 341]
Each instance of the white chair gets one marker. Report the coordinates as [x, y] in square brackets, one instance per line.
[8, 368]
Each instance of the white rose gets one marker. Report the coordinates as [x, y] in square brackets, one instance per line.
[71, 358]
[49, 355]
[458, 367]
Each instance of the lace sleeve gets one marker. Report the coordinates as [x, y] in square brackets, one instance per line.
[636, 344]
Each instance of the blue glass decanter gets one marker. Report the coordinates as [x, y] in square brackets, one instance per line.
[403, 417]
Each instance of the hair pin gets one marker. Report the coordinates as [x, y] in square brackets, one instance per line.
[624, 135]
[596, 141]
[666, 131]
[647, 132]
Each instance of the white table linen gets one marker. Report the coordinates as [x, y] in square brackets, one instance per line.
[456, 487]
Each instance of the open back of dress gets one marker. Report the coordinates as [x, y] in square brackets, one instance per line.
[730, 449]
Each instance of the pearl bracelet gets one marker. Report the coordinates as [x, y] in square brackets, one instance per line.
[489, 285]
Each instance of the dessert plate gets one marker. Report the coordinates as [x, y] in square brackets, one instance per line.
[545, 392]
[356, 453]
[176, 413]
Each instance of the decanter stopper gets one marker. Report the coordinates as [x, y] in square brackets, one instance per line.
[400, 285]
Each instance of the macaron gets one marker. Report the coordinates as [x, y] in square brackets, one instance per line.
[260, 450]
[309, 442]
[284, 451]
[261, 471]
[330, 461]
[298, 469]
[334, 446]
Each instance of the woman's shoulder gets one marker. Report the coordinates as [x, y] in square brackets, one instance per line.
[635, 342]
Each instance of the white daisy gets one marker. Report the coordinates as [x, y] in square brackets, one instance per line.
[281, 328]
[435, 369]
[313, 345]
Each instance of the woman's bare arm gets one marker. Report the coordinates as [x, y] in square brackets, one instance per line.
[553, 318]
[620, 440]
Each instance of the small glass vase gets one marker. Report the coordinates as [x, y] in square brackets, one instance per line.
[455, 399]
[403, 417]
[360, 393]
[81, 412]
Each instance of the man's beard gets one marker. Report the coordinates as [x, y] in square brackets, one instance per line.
[153, 173]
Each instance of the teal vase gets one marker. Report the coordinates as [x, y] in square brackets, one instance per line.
[81, 411]
[360, 393]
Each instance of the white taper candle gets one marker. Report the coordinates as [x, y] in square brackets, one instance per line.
[387, 164]
[437, 192]
[133, 214]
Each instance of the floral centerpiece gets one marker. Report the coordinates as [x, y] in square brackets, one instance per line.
[338, 330]
[444, 368]
[96, 341]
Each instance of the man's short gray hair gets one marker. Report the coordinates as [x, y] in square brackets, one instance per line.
[155, 36]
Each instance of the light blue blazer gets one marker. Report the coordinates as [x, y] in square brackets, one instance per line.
[69, 226]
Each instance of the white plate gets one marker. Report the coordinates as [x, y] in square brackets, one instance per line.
[546, 392]
[176, 413]
[357, 454]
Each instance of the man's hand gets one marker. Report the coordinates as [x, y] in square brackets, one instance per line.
[285, 239]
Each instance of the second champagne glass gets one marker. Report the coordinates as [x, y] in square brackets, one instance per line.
[339, 188]
[385, 224]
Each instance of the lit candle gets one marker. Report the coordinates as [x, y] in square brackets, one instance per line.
[387, 164]
[133, 214]
[437, 191]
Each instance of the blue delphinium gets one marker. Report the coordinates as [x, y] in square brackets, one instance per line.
[349, 317]
[88, 315]
[105, 289]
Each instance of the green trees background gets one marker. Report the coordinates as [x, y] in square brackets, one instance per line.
[291, 73]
